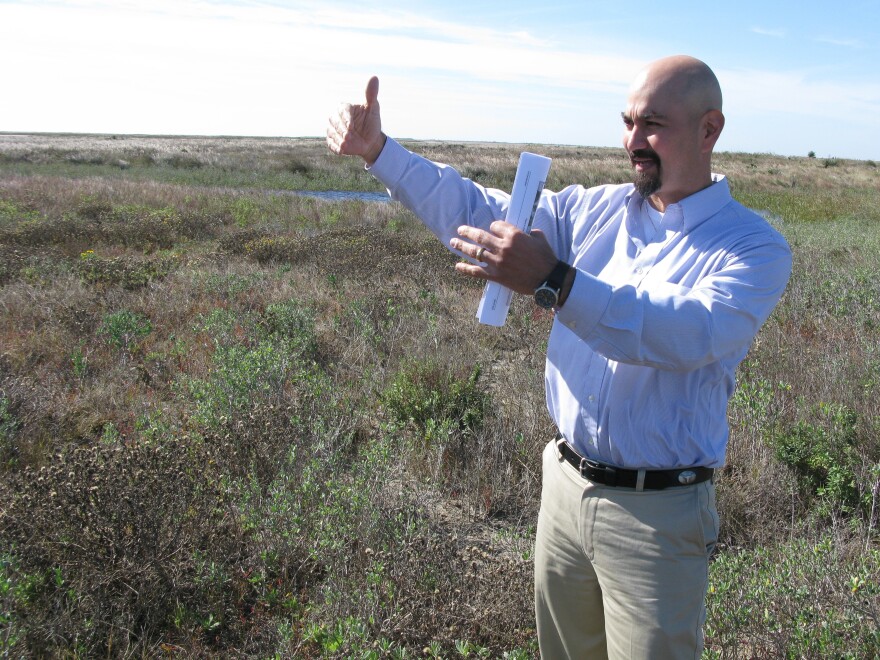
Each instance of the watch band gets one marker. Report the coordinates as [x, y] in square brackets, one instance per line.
[556, 278]
[547, 295]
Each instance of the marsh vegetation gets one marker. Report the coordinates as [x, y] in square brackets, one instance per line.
[242, 423]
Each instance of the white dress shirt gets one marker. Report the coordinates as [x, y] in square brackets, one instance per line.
[642, 356]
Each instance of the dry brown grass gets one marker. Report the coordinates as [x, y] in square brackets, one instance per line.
[239, 422]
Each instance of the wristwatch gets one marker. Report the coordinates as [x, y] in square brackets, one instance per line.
[547, 295]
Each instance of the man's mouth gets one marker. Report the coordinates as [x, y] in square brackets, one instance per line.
[643, 161]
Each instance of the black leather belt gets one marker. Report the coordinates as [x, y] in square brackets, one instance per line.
[609, 475]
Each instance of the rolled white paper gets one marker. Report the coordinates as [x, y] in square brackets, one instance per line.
[531, 174]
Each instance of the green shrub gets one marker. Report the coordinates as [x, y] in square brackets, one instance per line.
[292, 323]
[826, 460]
[12, 213]
[220, 324]
[128, 272]
[246, 212]
[258, 361]
[243, 374]
[123, 328]
[232, 285]
[435, 400]
[771, 603]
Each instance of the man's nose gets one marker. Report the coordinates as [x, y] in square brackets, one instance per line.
[634, 138]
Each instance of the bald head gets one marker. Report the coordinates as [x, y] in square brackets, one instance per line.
[684, 78]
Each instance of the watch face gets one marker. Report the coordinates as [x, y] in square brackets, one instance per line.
[546, 297]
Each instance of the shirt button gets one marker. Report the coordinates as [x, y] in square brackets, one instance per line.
[640, 270]
[591, 398]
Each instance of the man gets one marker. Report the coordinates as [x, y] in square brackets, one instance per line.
[658, 288]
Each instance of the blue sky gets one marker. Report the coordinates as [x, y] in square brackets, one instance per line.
[797, 76]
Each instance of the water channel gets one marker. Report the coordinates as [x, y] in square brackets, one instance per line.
[341, 195]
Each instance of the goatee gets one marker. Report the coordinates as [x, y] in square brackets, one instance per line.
[646, 183]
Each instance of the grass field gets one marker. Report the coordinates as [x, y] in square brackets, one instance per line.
[240, 422]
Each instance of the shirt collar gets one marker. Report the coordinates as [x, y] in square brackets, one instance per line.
[698, 207]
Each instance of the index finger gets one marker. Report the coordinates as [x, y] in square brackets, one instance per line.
[476, 235]
[501, 227]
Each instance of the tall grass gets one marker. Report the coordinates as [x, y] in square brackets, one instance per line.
[238, 422]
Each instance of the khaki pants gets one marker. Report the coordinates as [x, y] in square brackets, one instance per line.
[619, 573]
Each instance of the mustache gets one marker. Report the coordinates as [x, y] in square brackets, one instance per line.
[642, 154]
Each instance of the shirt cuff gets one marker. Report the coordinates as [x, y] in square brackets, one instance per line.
[585, 305]
[389, 167]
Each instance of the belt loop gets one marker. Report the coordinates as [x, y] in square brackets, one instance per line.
[560, 440]
[640, 480]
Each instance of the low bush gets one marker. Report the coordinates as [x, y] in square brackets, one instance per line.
[826, 462]
[813, 596]
[436, 402]
[127, 272]
[108, 547]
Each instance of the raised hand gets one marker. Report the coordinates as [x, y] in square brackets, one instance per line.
[356, 130]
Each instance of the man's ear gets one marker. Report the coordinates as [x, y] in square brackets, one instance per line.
[710, 129]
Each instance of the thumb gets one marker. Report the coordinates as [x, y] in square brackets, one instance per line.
[372, 92]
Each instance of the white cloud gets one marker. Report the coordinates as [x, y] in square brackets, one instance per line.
[845, 43]
[768, 32]
[147, 63]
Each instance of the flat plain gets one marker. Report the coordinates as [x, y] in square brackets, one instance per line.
[243, 422]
